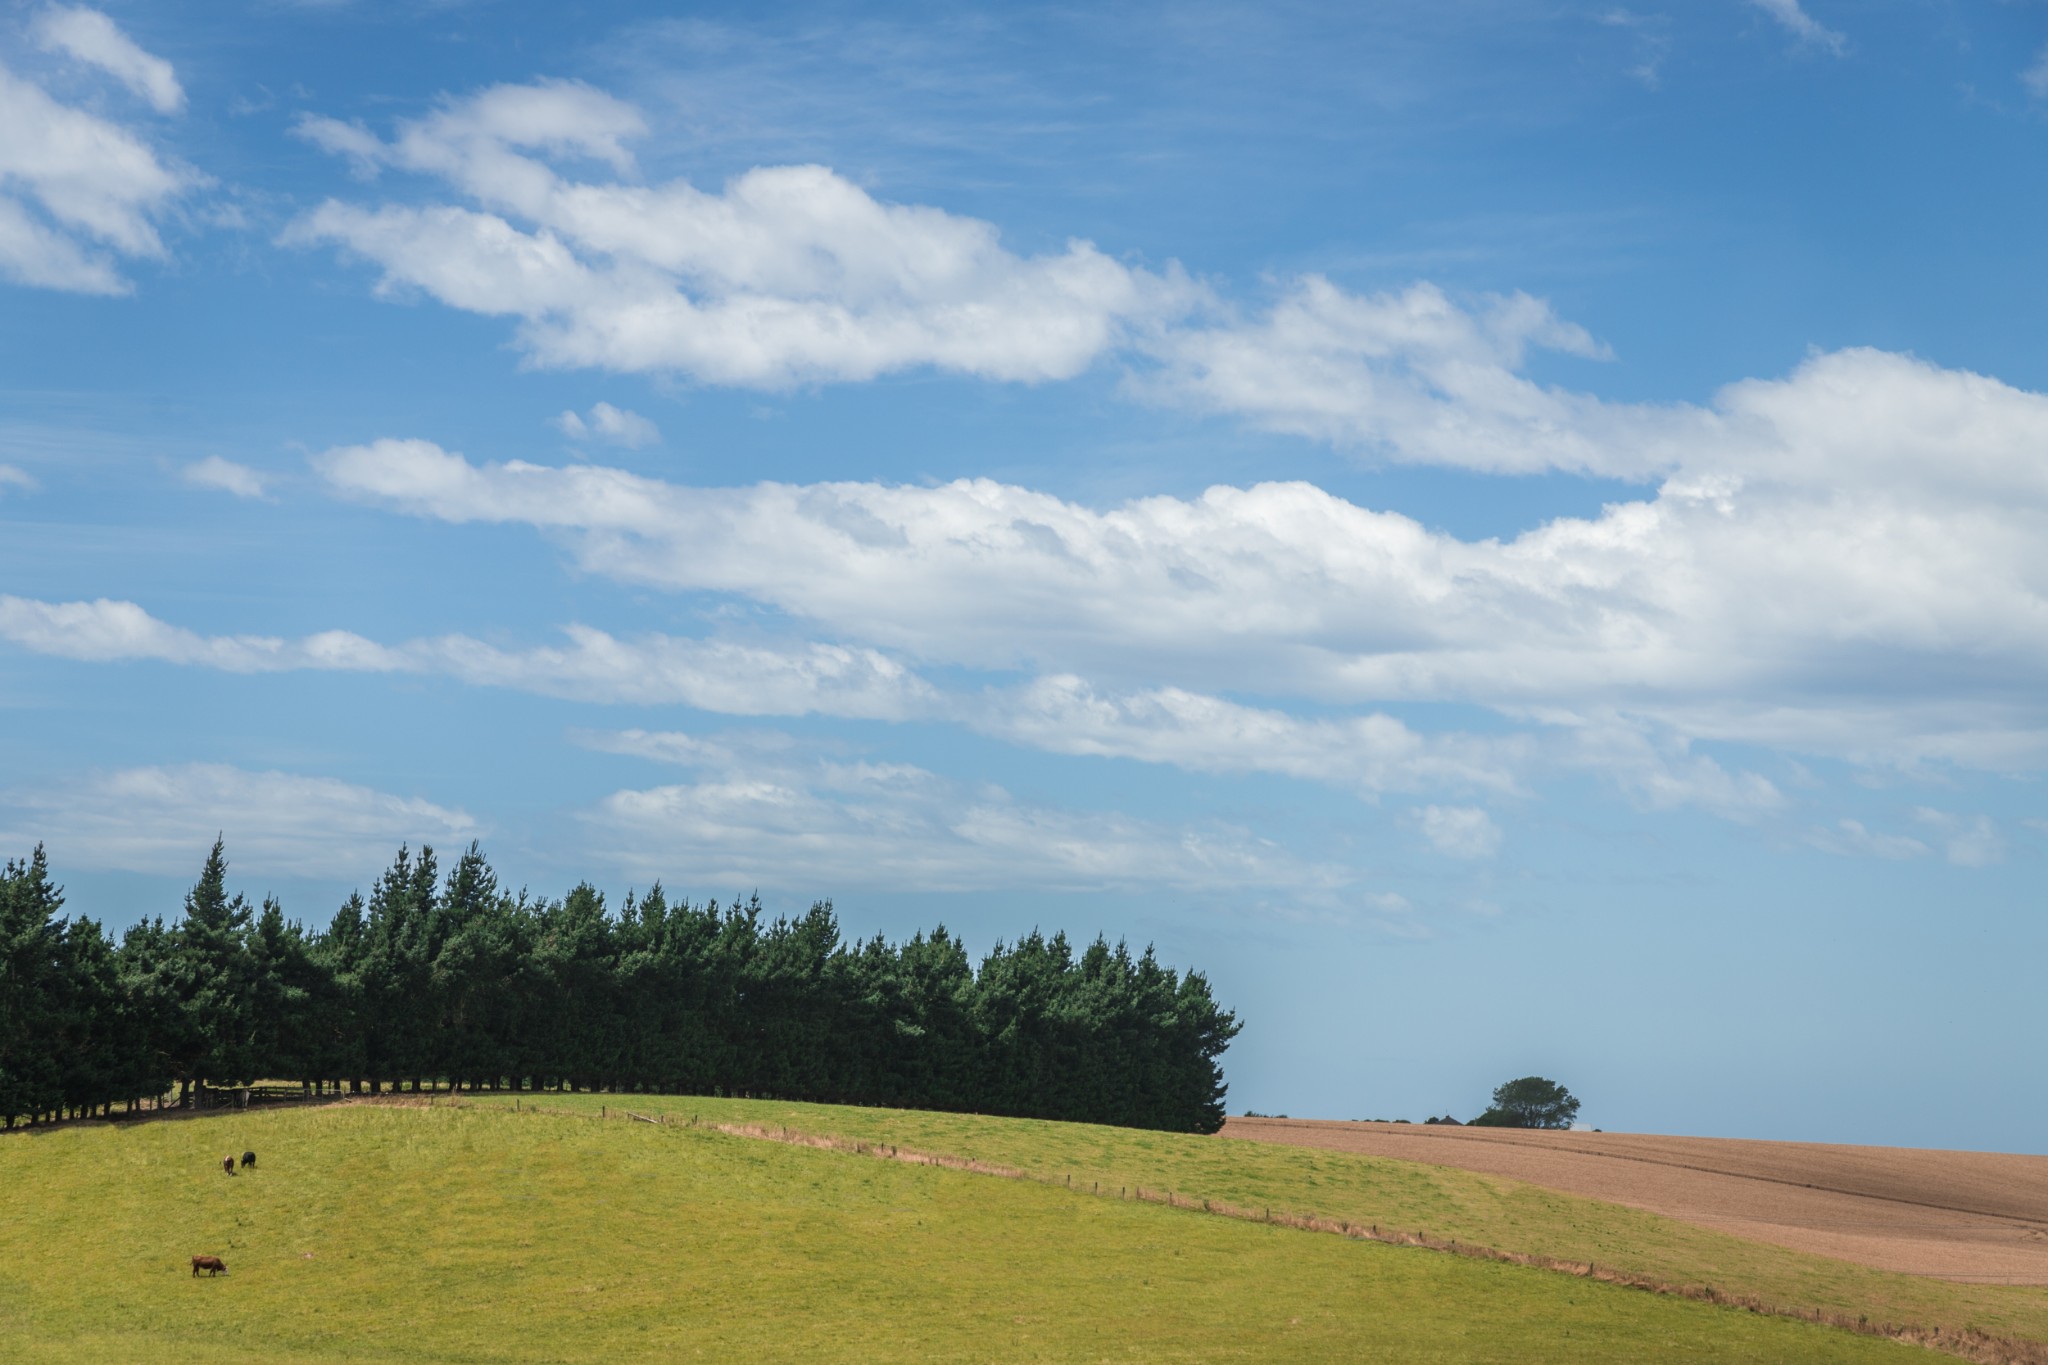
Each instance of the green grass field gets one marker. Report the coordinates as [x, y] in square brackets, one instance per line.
[1461, 1205]
[383, 1233]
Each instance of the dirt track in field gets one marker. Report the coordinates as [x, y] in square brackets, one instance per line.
[1978, 1216]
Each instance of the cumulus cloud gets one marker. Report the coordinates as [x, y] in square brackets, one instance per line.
[1661, 770]
[1459, 831]
[1370, 754]
[788, 275]
[614, 426]
[91, 37]
[1417, 377]
[78, 192]
[1802, 25]
[762, 815]
[163, 820]
[225, 475]
[1885, 520]
[106, 631]
[1413, 375]
[733, 677]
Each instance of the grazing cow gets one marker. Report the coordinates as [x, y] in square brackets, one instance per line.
[212, 1265]
[248, 1160]
[227, 1163]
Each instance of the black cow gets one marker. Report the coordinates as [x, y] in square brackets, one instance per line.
[248, 1160]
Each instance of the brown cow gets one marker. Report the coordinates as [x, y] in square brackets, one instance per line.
[212, 1265]
[227, 1163]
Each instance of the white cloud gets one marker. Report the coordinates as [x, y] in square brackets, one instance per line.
[1881, 522]
[163, 820]
[1652, 41]
[1802, 25]
[10, 477]
[225, 475]
[1459, 831]
[732, 677]
[763, 815]
[105, 631]
[362, 148]
[77, 192]
[790, 275]
[2035, 77]
[1968, 841]
[1660, 771]
[1851, 839]
[1412, 375]
[614, 426]
[1367, 754]
[1371, 754]
[91, 37]
[1418, 378]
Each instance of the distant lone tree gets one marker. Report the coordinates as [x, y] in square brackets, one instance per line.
[1531, 1102]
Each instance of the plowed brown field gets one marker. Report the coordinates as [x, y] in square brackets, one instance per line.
[1976, 1216]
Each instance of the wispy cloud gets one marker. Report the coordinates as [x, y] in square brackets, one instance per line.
[91, 37]
[163, 819]
[81, 192]
[10, 477]
[1850, 838]
[225, 475]
[731, 677]
[788, 275]
[1651, 39]
[767, 815]
[1967, 840]
[1369, 755]
[1459, 831]
[2035, 77]
[613, 426]
[1803, 26]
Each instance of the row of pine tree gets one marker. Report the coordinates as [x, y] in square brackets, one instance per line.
[452, 980]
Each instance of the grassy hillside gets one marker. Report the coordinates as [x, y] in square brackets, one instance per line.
[479, 1234]
[1465, 1206]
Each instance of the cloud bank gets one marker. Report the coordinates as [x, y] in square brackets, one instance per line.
[163, 819]
[1862, 576]
[762, 816]
[787, 275]
[80, 193]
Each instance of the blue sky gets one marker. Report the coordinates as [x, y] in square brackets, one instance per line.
[1511, 536]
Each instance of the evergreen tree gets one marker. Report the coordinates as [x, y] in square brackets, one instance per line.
[284, 981]
[150, 995]
[87, 1020]
[480, 975]
[396, 975]
[458, 981]
[214, 980]
[31, 963]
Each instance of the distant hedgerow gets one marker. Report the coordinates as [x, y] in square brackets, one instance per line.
[455, 980]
